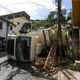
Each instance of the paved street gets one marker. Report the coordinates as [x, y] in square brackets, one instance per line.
[2, 54]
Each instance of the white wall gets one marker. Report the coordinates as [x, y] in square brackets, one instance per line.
[3, 31]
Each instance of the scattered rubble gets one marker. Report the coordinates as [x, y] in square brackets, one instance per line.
[9, 72]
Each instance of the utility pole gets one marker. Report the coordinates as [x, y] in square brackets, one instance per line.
[56, 48]
[59, 35]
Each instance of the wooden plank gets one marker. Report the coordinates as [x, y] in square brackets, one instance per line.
[50, 60]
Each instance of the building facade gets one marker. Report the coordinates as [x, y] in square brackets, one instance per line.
[19, 19]
[4, 29]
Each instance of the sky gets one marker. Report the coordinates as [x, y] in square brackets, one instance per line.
[37, 9]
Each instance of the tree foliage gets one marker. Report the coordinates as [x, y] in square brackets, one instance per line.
[50, 21]
[69, 15]
[53, 16]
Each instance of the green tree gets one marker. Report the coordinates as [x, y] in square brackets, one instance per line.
[53, 17]
[69, 15]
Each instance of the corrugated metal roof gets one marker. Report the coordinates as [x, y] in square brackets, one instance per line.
[16, 14]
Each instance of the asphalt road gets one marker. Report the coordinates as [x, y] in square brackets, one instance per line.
[2, 54]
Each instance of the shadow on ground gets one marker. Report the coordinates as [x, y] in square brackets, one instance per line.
[28, 66]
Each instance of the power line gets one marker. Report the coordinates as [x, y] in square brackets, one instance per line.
[37, 5]
[4, 7]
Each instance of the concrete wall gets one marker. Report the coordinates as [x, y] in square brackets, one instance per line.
[75, 43]
[19, 20]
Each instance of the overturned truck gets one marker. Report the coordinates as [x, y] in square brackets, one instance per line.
[26, 47]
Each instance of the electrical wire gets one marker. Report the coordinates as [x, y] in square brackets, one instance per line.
[4, 7]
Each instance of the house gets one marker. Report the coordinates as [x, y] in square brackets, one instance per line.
[4, 28]
[19, 19]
